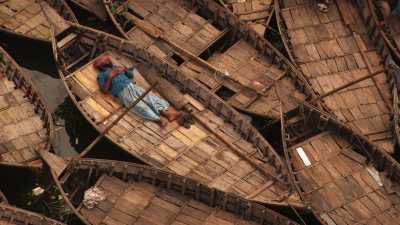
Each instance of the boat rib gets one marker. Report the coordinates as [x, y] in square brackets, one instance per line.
[137, 194]
[25, 17]
[10, 215]
[339, 173]
[221, 149]
[213, 46]
[333, 49]
[25, 122]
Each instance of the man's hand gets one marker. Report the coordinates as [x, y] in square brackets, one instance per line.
[107, 84]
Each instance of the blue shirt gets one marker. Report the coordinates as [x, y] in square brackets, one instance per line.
[118, 83]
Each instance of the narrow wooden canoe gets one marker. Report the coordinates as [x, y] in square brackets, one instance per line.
[221, 149]
[26, 124]
[25, 17]
[257, 13]
[213, 46]
[137, 194]
[95, 7]
[334, 49]
[340, 174]
[10, 215]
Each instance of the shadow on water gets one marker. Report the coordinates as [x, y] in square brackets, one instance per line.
[30, 54]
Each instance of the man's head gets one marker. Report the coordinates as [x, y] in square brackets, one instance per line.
[102, 63]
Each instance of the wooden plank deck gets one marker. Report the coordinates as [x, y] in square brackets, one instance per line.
[332, 49]
[141, 203]
[255, 12]
[250, 77]
[24, 17]
[195, 152]
[22, 129]
[237, 72]
[178, 23]
[339, 184]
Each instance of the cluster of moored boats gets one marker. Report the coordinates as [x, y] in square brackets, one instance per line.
[335, 98]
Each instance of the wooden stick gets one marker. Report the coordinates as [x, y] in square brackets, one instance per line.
[104, 132]
[232, 147]
[347, 85]
[158, 34]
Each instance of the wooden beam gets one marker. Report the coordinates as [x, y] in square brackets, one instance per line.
[347, 85]
[104, 132]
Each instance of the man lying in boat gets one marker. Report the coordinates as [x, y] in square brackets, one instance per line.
[121, 85]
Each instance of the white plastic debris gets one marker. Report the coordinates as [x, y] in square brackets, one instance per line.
[37, 191]
[375, 174]
[92, 197]
[303, 156]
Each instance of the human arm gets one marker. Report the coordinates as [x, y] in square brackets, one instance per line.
[130, 72]
[104, 79]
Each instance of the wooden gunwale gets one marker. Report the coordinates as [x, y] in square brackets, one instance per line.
[15, 74]
[13, 215]
[242, 31]
[358, 122]
[384, 35]
[92, 6]
[387, 167]
[172, 74]
[372, 22]
[179, 185]
[62, 8]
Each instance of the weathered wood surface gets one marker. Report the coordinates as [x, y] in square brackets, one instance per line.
[137, 194]
[333, 49]
[256, 12]
[25, 17]
[95, 7]
[390, 32]
[342, 176]
[10, 215]
[239, 71]
[221, 150]
[25, 123]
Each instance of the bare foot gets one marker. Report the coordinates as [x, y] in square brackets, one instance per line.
[171, 114]
[162, 122]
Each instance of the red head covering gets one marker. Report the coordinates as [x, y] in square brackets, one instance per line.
[101, 61]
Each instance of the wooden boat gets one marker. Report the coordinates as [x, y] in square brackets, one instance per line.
[213, 46]
[26, 124]
[334, 49]
[257, 13]
[10, 215]
[137, 194]
[95, 7]
[389, 35]
[221, 149]
[25, 17]
[339, 173]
